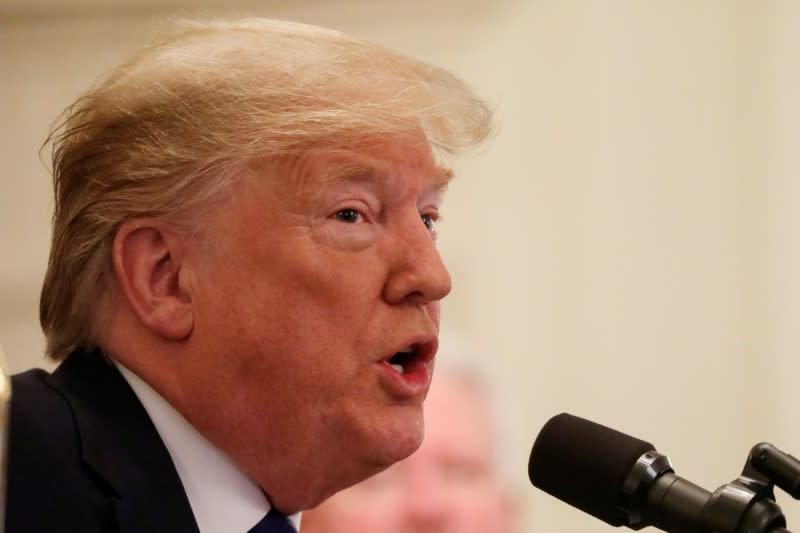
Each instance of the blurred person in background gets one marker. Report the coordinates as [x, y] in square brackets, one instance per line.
[243, 286]
[456, 482]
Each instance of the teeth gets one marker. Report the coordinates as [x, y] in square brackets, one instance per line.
[398, 368]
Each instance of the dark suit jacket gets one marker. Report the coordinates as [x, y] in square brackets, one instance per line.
[85, 457]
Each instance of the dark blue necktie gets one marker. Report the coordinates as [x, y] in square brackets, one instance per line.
[274, 522]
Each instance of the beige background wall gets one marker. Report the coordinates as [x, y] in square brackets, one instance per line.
[626, 248]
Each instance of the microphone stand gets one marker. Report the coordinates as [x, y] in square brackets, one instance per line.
[747, 504]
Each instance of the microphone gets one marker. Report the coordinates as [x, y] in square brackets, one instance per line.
[624, 481]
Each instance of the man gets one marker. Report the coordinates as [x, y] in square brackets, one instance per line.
[454, 482]
[243, 283]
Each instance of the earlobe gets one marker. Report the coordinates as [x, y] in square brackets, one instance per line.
[148, 260]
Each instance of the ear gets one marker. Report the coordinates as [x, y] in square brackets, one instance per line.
[147, 255]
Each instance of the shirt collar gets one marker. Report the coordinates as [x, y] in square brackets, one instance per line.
[222, 497]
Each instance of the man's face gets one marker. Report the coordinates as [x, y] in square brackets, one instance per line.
[449, 485]
[316, 296]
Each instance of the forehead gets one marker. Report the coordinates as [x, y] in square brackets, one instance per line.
[381, 163]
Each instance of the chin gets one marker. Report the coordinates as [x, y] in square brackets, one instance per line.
[400, 439]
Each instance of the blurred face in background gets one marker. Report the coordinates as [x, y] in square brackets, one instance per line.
[449, 485]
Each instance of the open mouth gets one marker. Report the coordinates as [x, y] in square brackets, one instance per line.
[407, 371]
[404, 361]
[413, 359]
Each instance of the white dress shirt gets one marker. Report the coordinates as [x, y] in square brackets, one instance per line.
[223, 498]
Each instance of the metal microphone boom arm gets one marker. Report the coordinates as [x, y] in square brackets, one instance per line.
[747, 504]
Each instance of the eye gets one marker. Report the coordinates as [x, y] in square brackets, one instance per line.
[429, 221]
[348, 216]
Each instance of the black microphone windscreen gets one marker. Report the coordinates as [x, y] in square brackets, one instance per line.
[585, 464]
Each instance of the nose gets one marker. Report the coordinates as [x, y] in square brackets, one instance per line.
[417, 274]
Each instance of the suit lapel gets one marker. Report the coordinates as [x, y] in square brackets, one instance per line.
[121, 445]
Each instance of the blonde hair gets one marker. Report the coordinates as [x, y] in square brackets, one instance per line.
[168, 130]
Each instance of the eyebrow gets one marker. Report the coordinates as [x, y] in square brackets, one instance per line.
[366, 172]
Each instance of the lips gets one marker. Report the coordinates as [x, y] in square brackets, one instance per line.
[407, 372]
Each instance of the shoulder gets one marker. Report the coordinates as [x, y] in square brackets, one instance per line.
[48, 486]
[38, 414]
[32, 396]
